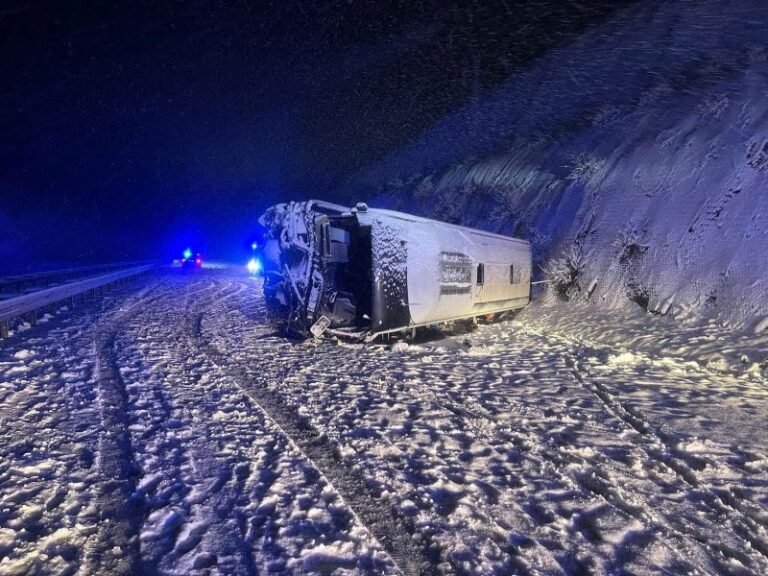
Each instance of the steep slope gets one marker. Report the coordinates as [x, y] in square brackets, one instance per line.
[635, 158]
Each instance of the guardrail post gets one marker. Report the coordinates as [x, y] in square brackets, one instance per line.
[49, 300]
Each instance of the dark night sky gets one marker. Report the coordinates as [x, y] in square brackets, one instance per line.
[130, 130]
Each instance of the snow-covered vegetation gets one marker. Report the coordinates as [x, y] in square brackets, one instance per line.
[641, 147]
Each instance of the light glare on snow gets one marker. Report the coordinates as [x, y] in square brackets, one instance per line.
[254, 266]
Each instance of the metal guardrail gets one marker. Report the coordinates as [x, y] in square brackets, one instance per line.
[28, 305]
[14, 284]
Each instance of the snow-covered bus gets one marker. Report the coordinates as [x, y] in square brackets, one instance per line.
[362, 272]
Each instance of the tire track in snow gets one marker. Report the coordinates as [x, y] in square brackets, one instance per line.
[651, 521]
[555, 465]
[389, 529]
[543, 559]
[189, 468]
[467, 420]
[671, 458]
[682, 526]
[472, 424]
[248, 525]
[116, 547]
[517, 551]
[706, 552]
[116, 550]
[505, 502]
[567, 562]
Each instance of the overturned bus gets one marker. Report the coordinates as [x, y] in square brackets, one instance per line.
[363, 272]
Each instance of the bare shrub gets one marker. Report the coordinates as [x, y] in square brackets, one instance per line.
[506, 203]
[563, 273]
[629, 245]
[585, 167]
[630, 252]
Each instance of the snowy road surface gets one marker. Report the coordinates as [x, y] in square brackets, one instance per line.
[167, 430]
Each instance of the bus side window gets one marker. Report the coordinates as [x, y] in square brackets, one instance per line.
[481, 273]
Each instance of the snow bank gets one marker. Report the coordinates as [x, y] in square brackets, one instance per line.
[634, 158]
